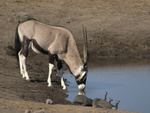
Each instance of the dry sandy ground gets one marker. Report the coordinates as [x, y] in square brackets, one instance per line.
[116, 29]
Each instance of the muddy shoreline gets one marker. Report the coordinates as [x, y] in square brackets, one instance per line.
[7, 106]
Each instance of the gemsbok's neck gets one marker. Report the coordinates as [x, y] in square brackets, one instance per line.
[74, 62]
[75, 65]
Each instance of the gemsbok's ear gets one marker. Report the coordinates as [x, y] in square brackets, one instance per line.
[85, 67]
[85, 64]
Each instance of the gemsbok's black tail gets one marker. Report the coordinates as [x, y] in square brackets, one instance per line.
[17, 43]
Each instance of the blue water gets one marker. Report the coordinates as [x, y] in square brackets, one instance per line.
[128, 83]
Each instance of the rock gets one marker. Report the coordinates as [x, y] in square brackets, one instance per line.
[40, 111]
[49, 101]
[82, 100]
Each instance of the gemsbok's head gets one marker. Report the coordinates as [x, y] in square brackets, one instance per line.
[81, 78]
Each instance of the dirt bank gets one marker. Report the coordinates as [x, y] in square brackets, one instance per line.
[116, 29]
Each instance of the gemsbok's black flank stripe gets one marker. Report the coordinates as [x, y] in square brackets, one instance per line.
[37, 46]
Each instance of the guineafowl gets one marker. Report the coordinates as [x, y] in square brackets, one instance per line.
[110, 99]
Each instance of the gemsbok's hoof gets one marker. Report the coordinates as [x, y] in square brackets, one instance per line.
[64, 88]
[49, 86]
[28, 80]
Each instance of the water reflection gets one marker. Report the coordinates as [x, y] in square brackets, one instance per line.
[127, 82]
[82, 99]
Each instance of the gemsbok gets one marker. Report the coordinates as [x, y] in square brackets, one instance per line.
[58, 43]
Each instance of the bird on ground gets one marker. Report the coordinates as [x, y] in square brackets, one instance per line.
[110, 99]
[105, 97]
[102, 103]
[116, 105]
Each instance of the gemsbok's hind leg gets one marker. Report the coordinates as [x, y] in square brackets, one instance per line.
[24, 70]
[21, 65]
[22, 58]
[51, 65]
[60, 68]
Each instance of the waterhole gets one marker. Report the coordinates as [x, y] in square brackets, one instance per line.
[126, 81]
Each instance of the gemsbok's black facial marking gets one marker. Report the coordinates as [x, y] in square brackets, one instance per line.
[81, 80]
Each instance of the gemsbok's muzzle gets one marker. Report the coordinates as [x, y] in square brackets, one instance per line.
[81, 81]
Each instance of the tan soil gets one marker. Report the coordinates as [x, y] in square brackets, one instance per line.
[116, 29]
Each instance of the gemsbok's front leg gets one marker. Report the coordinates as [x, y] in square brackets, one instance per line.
[51, 65]
[60, 68]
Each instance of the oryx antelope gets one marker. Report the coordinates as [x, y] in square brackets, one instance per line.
[57, 42]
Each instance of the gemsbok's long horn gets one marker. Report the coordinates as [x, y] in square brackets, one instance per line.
[85, 45]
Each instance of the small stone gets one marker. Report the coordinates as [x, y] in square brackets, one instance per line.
[49, 101]
[40, 111]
